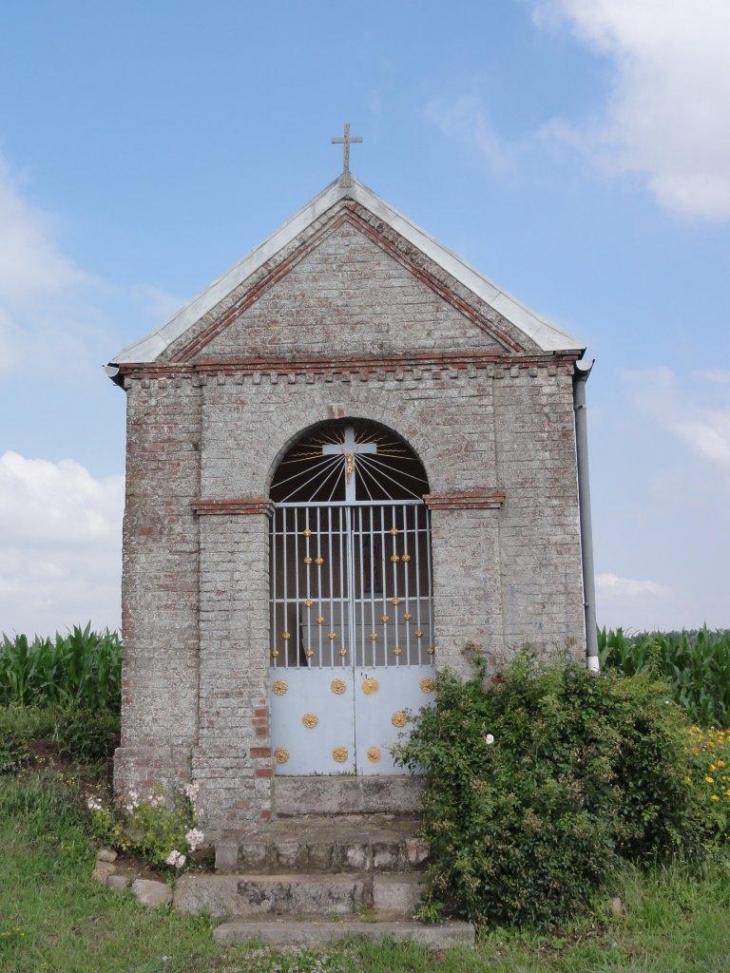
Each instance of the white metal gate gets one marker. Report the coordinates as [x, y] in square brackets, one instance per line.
[351, 614]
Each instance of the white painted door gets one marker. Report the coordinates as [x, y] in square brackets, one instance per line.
[351, 625]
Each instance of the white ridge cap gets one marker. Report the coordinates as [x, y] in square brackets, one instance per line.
[547, 336]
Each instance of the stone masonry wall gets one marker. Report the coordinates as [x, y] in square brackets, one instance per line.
[160, 584]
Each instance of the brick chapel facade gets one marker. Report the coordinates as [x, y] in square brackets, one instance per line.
[348, 317]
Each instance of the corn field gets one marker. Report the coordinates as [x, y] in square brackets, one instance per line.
[81, 670]
[695, 664]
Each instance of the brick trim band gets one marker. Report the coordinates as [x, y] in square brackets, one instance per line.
[467, 500]
[234, 505]
[368, 366]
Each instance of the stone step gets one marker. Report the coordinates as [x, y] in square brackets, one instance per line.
[306, 931]
[255, 896]
[344, 794]
[325, 846]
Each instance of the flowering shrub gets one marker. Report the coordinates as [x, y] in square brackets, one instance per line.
[539, 780]
[711, 749]
[160, 828]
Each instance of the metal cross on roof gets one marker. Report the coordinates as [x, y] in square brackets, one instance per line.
[346, 141]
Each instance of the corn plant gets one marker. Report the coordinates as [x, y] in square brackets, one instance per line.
[78, 670]
[695, 664]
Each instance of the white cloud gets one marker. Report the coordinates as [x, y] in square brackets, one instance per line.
[668, 114]
[466, 120]
[60, 553]
[54, 316]
[696, 409]
[47, 304]
[610, 589]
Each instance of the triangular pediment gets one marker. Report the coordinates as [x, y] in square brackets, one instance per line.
[347, 275]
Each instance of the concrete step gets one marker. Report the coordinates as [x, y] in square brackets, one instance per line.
[305, 931]
[255, 896]
[324, 846]
[344, 794]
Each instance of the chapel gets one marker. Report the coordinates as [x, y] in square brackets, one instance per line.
[347, 458]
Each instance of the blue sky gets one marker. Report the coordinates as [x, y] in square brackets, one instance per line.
[577, 152]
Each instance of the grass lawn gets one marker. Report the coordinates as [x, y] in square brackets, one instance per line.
[54, 917]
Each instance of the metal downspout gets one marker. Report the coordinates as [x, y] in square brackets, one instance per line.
[580, 377]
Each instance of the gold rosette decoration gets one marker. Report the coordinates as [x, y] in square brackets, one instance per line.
[310, 720]
[280, 687]
[427, 685]
[338, 686]
[370, 686]
[340, 754]
[281, 755]
[399, 719]
[374, 754]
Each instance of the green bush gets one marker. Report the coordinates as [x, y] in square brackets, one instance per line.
[86, 735]
[81, 735]
[538, 781]
[159, 828]
[20, 728]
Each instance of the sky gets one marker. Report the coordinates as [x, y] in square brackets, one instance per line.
[577, 152]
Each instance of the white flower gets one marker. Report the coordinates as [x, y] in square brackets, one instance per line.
[489, 739]
[175, 859]
[157, 800]
[194, 838]
[191, 791]
[94, 804]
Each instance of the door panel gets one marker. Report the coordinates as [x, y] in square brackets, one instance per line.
[312, 725]
[383, 700]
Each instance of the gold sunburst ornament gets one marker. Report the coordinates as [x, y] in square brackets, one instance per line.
[281, 755]
[280, 687]
[399, 718]
[374, 754]
[310, 720]
[338, 686]
[370, 686]
[308, 602]
[406, 557]
[340, 754]
[427, 685]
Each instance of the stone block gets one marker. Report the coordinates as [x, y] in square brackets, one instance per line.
[396, 894]
[314, 932]
[416, 851]
[102, 871]
[260, 895]
[152, 894]
[118, 882]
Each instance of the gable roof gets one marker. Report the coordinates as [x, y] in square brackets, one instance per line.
[547, 336]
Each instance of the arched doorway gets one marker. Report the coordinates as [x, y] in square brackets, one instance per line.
[351, 603]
